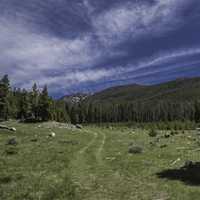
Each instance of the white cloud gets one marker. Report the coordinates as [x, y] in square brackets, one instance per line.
[166, 61]
[27, 55]
[43, 51]
[138, 19]
[67, 80]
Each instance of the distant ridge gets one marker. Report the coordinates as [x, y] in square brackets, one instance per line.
[183, 89]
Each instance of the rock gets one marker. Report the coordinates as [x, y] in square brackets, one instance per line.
[135, 150]
[8, 128]
[34, 140]
[79, 126]
[163, 146]
[13, 129]
[52, 134]
[12, 141]
[53, 125]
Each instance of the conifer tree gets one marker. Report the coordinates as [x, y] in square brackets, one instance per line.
[4, 92]
[34, 102]
[45, 105]
[24, 106]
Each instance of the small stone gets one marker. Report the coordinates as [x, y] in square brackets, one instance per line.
[79, 126]
[163, 146]
[52, 134]
[34, 140]
[135, 150]
[13, 129]
[12, 141]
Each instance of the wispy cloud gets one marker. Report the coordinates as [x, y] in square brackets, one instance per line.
[165, 62]
[43, 51]
[138, 19]
[68, 80]
[29, 55]
[32, 49]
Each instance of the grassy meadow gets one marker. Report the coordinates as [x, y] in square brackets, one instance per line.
[95, 163]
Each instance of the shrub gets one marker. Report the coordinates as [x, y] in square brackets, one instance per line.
[135, 149]
[163, 146]
[153, 133]
[167, 135]
[172, 132]
[11, 151]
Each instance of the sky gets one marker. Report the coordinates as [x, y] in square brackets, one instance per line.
[89, 45]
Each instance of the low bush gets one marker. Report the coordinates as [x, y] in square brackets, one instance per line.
[135, 149]
[153, 133]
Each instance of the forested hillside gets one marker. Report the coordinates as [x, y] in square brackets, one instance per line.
[173, 101]
[178, 90]
[177, 100]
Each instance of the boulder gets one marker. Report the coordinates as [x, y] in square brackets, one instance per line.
[8, 128]
[135, 149]
[34, 140]
[163, 146]
[79, 126]
[52, 134]
[12, 141]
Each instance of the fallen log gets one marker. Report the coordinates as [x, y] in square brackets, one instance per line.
[7, 128]
[177, 160]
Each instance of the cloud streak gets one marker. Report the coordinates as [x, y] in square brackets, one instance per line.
[136, 20]
[79, 44]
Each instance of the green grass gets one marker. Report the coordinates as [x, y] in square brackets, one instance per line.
[94, 164]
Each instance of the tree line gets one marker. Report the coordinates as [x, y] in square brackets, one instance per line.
[154, 111]
[36, 105]
[29, 106]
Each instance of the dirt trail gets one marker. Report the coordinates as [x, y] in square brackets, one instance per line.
[84, 149]
[89, 169]
[100, 149]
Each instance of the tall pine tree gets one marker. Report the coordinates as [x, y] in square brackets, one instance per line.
[44, 105]
[4, 92]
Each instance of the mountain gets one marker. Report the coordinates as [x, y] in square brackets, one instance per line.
[176, 100]
[186, 89]
[74, 98]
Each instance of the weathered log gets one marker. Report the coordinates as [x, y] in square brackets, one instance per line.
[7, 128]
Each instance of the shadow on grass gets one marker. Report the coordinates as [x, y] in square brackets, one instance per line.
[189, 174]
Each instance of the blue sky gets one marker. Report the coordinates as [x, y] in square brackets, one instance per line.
[88, 45]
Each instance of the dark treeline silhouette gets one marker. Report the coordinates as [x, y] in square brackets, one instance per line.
[36, 105]
[29, 106]
[154, 112]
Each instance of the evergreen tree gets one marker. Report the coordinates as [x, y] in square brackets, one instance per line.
[44, 105]
[4, 92]
[34, 102]
[24, 106]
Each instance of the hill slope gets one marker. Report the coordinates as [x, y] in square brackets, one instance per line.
[179, 90]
